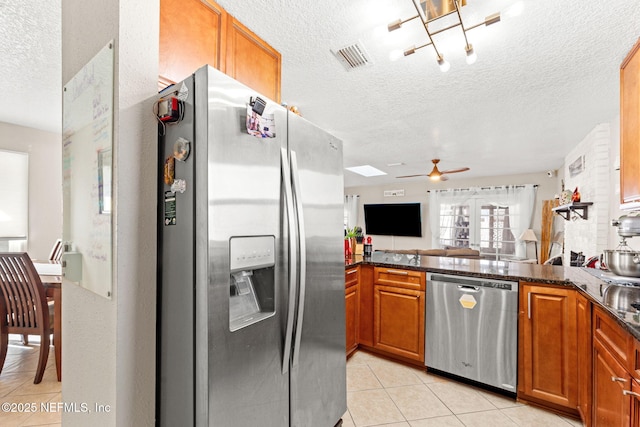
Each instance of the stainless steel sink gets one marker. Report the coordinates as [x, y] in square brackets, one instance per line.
[622, 297]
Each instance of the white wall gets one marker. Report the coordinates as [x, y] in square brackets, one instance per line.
[45, 183]
[416, 191]
[109, 345]
[590, 236]
[600, 184]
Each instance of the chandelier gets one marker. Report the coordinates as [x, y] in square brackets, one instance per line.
[432, 10]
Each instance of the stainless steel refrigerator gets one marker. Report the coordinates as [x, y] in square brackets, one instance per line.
[251, 315]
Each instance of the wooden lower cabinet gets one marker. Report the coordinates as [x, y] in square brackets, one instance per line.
[635, 403]
[547, 347]
[352, 306]
[399, 322]
[611, 406]
[365, 331]
[585, 357]
[398, 312]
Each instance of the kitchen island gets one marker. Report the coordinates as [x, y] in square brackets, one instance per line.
[577, 354]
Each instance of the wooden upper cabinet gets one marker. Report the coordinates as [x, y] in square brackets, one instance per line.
[630, 126]
[252, 61]
[198, 32]
[191, 35]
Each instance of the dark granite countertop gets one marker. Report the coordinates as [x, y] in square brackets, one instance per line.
[587, 281]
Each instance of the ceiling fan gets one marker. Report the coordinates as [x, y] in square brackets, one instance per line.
[435, 174]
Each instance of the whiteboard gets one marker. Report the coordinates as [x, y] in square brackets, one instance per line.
[87, 139]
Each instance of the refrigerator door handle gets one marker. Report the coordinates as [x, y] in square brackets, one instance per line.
[303, 255]
[293, 258]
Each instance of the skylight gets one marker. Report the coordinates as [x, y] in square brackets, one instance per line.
[366, 170]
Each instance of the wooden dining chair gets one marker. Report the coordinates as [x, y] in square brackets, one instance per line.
[56, 251]
[26, 311]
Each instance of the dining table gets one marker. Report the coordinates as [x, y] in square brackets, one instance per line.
[51, 278]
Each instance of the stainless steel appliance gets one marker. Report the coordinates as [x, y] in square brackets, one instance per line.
[472, 329]
[623, 260]
[251, 307]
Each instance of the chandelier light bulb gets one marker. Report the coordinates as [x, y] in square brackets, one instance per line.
[471, 55]
[444, 65]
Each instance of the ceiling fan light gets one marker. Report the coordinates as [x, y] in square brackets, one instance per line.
[444, 65]
[434, 177]
[471, 55]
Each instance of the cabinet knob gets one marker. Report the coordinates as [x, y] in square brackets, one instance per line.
[618, 379]
[630, 393]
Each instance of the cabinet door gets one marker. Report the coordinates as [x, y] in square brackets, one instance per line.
[583, 307]
[191, 35]
[365, 332]
[630, 126]
[611, 405]
[252, 61]
[352, 305]
[399, 322]
[548, 346]
[635, 403]
[613, 337]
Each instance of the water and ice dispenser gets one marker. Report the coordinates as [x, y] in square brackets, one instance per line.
[252, 281]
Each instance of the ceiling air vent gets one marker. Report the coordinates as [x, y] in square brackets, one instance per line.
[353, 56]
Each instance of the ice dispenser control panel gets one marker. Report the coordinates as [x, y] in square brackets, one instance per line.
[251, 280]
[252, 252]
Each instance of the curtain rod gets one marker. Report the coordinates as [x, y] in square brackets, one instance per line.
[484, 188]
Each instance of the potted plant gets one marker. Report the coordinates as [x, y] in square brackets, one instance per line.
[351, 234]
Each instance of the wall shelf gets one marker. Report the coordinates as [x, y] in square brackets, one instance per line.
[580, 208]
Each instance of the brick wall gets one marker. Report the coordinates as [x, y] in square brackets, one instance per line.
[590, 236]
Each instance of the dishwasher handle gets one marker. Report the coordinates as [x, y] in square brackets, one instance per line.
[467, 288]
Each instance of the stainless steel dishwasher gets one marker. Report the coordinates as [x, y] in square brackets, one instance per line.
[472, 329]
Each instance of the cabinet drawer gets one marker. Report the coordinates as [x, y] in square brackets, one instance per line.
[406, 279]
[351, 277]
[613, 337]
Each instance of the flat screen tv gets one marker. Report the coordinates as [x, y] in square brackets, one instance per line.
[393, 219]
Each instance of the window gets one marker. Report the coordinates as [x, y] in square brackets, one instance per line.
[14, 200]
[486, 219]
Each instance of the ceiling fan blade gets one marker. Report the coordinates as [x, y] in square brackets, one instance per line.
[411, 176]
[443, 178]
[455, 170]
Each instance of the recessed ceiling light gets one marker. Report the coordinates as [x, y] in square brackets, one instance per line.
[395, 164]
[366, 170]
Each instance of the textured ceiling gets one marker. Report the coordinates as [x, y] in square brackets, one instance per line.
[543, 79]
[30, 71]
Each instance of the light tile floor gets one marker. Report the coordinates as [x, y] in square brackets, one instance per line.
[23, 403]
[381, 392]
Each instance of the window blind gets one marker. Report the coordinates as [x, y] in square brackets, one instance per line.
[14, 195]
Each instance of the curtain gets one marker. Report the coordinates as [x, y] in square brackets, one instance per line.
[351, 210]
[442, 197]
[14, 195]
[519, 198]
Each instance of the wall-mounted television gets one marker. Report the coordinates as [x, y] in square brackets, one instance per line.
[393, 219]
